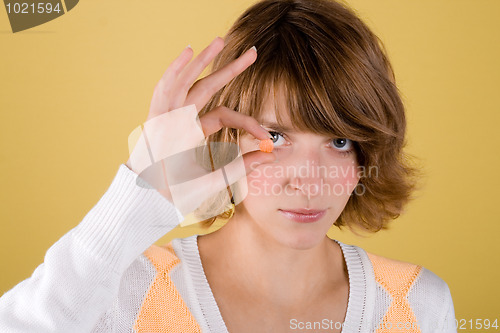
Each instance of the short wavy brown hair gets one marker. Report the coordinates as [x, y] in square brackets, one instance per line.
[338, 80]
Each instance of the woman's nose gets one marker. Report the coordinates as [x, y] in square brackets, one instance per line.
[305, 186]
[306, 173]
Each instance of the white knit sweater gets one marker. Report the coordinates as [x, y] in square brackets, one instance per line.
[96, 277]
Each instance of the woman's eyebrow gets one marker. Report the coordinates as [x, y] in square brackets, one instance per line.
[278, 128]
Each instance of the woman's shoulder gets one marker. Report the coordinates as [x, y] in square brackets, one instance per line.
[163, 257]
[154, 281]
[408, 290]
[391, 275]
[399, 275]
[167, 256]
[157, 261]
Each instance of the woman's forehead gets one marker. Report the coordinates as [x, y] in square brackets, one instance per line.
[275, 111]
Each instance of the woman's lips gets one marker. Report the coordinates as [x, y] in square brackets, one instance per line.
[302, 215]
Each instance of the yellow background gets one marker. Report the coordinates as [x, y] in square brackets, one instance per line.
[72, 90]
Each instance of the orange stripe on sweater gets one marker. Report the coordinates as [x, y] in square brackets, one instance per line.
[163, 309]
[397, 278]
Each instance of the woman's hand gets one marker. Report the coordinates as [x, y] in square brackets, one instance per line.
[172, 127]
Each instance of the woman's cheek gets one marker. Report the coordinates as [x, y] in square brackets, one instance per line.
[254, 183]
[344, 179]
[261, 182]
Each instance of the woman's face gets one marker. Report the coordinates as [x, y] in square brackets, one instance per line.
[311, 172]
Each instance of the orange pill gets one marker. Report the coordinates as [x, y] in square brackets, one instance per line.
[266, 145]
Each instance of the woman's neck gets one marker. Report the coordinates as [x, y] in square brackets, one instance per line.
[259, 266]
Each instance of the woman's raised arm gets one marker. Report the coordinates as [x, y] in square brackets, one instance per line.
[79, 278]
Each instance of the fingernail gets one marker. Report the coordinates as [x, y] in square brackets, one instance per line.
[254, 48]
[189, 46]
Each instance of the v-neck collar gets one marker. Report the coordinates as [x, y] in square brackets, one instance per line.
[361, 286]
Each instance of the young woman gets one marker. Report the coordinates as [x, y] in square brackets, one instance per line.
[320, 85]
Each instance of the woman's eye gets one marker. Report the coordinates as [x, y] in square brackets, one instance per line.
[342, 144]
[277, 139]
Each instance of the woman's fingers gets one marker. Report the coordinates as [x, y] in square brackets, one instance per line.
[178, 64]
[192, 71]
[204, 89]
[163, 89]
[222, 116]
[176, 89]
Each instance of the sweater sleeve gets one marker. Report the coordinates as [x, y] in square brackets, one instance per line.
[81, 272]
[449, 324]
